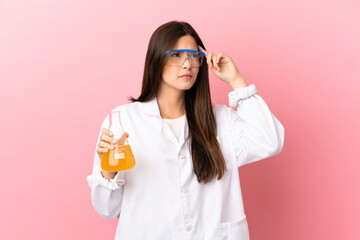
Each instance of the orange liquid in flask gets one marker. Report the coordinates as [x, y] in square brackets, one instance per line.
[119, 159]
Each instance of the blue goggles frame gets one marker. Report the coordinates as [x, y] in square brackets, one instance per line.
[185, 50]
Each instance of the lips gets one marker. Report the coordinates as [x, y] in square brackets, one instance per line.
[186, 75]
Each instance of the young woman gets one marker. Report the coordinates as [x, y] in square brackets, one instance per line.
[185, 184]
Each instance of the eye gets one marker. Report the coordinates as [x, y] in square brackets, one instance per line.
[195, 55]
[175, 54]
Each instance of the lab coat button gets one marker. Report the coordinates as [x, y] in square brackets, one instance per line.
[182, 156]
[188, 227]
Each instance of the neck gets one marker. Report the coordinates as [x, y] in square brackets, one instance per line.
[171, 103]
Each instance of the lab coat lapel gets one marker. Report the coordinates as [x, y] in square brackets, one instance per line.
[151, 107]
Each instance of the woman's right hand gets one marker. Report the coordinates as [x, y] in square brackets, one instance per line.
[107, 141]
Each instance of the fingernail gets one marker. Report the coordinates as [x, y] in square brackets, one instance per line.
[114, 141]
[112, 147]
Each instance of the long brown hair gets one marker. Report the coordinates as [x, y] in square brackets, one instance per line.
[208, 160]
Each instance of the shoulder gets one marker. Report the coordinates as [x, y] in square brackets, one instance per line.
[221, 110]
[218, 108]
[127, 106]
[225, 115]
[221, 114]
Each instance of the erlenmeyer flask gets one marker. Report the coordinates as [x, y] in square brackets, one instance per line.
[121, 157]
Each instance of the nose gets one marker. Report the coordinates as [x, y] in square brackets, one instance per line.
[187, 64]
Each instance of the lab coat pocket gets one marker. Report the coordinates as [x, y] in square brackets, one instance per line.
[227, 152]
[237, 230]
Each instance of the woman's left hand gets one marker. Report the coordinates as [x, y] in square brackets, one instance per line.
[224, 68]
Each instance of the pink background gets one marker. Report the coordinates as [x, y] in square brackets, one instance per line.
[64, 64]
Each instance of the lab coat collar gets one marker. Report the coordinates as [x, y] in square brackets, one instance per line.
[151, 108]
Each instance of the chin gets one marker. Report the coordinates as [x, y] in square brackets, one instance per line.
[186, 86]
[180, 85]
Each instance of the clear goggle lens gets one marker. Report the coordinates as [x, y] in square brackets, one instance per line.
[178, 57]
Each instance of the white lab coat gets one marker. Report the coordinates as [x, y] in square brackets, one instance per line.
[160, 197]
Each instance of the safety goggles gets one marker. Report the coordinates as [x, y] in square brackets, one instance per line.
[178, 57]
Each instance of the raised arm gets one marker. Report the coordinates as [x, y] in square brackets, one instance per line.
[256, 132]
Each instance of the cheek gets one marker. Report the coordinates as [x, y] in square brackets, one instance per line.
[169, 74]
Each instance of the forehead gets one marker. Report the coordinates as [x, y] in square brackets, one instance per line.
[186, 42]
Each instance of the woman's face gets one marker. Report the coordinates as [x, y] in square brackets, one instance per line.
[172, 75]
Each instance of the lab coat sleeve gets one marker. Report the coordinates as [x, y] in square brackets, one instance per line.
[106, 195]
[256, 133]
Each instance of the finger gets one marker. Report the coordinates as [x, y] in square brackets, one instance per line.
[219, 58]
[203, 50]
[216, 61]
[213, 61]
[209, 59]
[101, 150]
[123, 138]
[107, 139]
[103, 144]
[107, 132]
